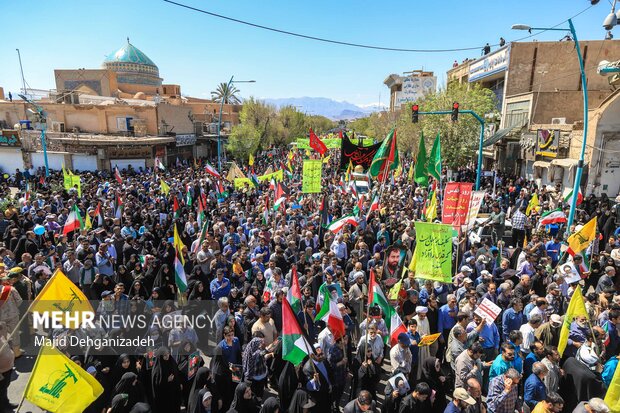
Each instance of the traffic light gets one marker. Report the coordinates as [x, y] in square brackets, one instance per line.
[414, 113]
[455, 112]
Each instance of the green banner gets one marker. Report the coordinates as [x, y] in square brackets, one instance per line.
[433, 252]
[278, 176]
[333, 143]
[311, 180]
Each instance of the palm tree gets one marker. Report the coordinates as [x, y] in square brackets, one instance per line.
[227, 93]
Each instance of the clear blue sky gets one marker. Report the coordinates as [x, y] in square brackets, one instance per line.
[198, 51]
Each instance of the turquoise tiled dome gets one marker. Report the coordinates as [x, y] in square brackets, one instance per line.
[133, 66]
[129, 54]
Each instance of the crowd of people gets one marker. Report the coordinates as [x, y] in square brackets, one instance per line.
[125, 259]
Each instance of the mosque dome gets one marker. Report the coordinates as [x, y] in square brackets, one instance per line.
[132, 66]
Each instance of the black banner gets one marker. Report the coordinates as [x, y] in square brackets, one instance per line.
[358, 155]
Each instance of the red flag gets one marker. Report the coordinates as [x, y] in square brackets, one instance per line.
[42, 180]
[316, 143]
[175, 205]
[340, 133]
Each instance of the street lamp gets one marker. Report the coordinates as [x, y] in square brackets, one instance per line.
[584, 87]
[219, 122]
[612, 18]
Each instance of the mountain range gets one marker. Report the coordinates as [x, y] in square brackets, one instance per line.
[326, 107]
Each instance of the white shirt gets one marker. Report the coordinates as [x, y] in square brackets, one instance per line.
[326, 340]
[528, 337]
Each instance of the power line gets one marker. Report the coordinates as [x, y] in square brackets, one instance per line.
[359, 45]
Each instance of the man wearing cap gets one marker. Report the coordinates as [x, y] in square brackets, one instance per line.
[400, 355]
[606, 280]
[461, 400]
[549, 332]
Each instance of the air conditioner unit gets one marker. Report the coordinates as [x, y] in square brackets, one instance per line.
[558, 121]
[58, 126]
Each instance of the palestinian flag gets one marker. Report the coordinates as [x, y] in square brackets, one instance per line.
[556, 216]
[212, 171]
[119, 206]
[295, 347]
[568, 198]
[357, 210]
[337, 225]
[330, 313]
[280, 197]
[201, 215]
[98, 214]
[396, 327]
[117, 175]
[179, 274]
[221, 193]
[74, 221]
[175, 208]
[293, 295]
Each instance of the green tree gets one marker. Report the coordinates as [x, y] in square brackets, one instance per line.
[226, 92]
[257, 125]
[319, 124]
[459, 140]
[291, 125]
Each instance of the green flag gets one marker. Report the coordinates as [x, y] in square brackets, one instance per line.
[434, 159]
[421, 176]
[433, 252]
[386, 157]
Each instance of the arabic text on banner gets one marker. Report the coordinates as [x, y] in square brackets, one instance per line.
[474, 207]
[311, 181]
[304, 143]
[456, 203]
[434, 252]
[278, 176]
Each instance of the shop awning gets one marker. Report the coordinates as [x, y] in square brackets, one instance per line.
[498, 136]
[541, 164]
[565, 163]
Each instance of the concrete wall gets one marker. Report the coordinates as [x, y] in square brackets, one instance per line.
[176, 117]
[559, 59]
[564, 104]
[100, 82]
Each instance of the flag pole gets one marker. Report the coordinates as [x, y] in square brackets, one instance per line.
[21, 402]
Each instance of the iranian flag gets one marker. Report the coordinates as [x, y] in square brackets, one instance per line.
[280, 197]
[396, 327]
[119, 207]
[556, 216]
[376, 297]
[117, 175]
[295, 347]
[374, 206]
[568, 198]
[293, 295]
[212, 171]
[179, 274]
[337, 225]
[74, 221]
[272, 184]
[331, 315]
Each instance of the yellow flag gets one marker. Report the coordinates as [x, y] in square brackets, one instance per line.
[165, 189]
[291, 155]
[576, 308]
[178, 245]
[393, 294]
[60, 294]
[525, 241]
[410, 175]
[431, 211]
[612, 398]
[88, 224]
[57, 384]
[532, 204]
[326, 159]
[581, 239]
[251, 160]
[308, 154]
[413, 262]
